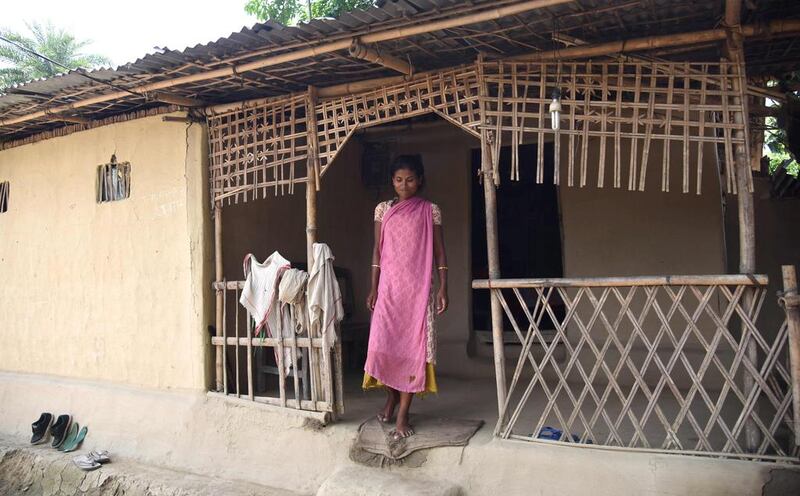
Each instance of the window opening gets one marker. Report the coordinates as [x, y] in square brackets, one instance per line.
[113, 181]
[4, 186]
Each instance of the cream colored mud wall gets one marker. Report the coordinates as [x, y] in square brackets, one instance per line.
[118, 291]
[616, 232]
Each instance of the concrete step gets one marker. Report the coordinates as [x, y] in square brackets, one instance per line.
[362, 481]
[42, 470]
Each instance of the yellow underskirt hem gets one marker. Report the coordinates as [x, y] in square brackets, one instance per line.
[430, 381]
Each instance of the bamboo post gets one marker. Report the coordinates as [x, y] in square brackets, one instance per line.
[744, 199]
[312, 186]
[312, 175]
[218, 277]
[790, 305]
[492, 250]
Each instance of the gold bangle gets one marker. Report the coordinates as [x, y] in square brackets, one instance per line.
[443, 267]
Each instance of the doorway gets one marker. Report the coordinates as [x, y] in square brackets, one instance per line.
[529, 232]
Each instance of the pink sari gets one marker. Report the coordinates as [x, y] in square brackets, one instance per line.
[396, 354]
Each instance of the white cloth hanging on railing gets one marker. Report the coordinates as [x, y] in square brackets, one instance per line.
[292, 293]
[325, 308]
[260, 298]
[260, 291]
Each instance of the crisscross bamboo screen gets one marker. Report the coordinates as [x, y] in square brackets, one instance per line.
[631, 108]
[656, 365]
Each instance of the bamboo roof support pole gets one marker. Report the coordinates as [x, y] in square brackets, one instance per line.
[312, 186]
[734, 51]
[782, 27]
[793, 321]
[492, 249]
[371, 54]
[219, 296]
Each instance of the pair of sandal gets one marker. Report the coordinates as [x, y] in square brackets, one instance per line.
[92, 460]
[66, 435]
[394, 434]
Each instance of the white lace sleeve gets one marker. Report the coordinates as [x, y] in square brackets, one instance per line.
[380, 211]
[437, 214]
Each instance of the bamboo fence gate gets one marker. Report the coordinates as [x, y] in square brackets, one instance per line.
[240, 347]
[656, 364]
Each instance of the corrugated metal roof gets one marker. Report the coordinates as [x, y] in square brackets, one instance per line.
[590, 20]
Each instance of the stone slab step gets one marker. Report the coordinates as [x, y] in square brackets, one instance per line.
[363, 481]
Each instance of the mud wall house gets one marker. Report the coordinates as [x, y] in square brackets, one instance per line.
[127, 217]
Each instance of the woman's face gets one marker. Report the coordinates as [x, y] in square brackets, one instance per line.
[406, 183]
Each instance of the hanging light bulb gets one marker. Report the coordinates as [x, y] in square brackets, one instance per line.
[555, 109]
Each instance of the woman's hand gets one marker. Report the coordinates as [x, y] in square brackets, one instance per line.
[441, 302]
[371, 299]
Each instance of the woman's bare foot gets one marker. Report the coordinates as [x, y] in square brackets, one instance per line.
[392, 398]
[402, 427]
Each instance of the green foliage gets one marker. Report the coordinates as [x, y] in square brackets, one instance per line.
[292, 11]
[18, 66]
[282, 11]
[777, 152]
[334, 8]
[776, 140]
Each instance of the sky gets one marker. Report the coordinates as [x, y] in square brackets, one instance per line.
[125, 31]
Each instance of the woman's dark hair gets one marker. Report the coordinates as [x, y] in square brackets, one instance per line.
[409, 162]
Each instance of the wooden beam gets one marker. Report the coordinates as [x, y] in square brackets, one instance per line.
[751, 89]
[176, 100]
[359, 86]
[74, 119]
[360, 51]
[632, 281]
[488, 175]
[774, 28]
[734, 51]
[331, 46]
[318, 357]
[790, 302]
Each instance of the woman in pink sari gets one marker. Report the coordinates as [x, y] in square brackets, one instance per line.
[402, 341]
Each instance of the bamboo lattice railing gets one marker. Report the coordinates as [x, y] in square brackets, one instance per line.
[312, 385]
[650, 363]
[633, 109]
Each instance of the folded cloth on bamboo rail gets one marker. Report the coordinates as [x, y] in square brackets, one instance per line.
[260, 298]
[325, 308]
[292, 293]
[260, 291]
